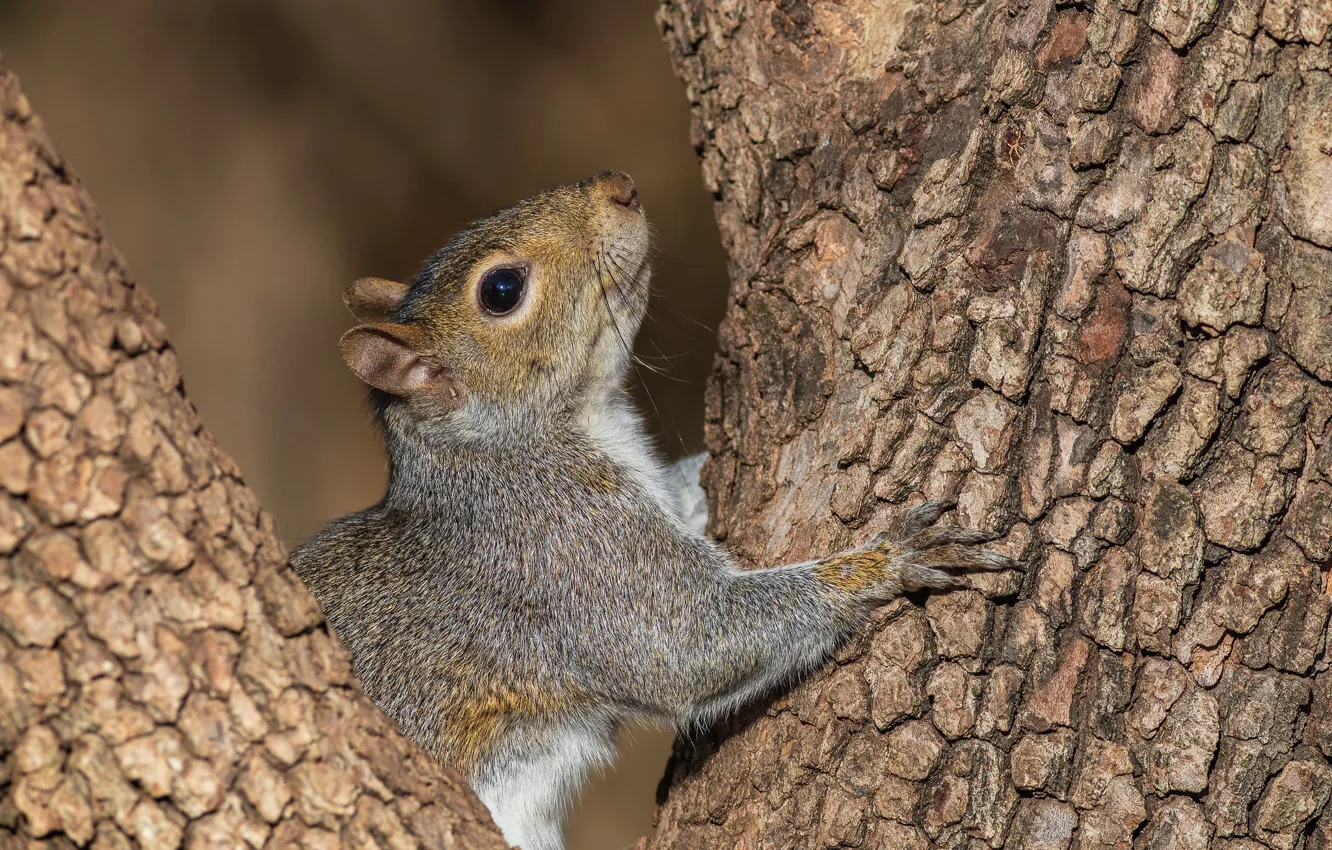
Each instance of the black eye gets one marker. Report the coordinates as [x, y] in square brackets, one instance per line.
[502, 290]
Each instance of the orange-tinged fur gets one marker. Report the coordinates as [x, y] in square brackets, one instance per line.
[478, 721]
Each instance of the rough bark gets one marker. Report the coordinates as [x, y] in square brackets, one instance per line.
[1072, 265]
[165, 680]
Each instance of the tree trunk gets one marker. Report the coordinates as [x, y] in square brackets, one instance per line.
[165, 679]
[1069, 264]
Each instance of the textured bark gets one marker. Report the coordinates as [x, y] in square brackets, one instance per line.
[165, 680]
[1072, 265]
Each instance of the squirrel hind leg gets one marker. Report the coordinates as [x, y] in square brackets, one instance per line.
[531, 782]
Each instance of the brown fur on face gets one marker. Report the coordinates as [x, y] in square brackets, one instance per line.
[583, 250]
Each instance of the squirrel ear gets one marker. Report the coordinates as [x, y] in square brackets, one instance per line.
[387, 357]
[373, 299]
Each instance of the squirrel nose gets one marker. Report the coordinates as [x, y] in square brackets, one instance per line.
[620, 189]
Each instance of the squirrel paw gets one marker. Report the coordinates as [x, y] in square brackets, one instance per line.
[926, 555]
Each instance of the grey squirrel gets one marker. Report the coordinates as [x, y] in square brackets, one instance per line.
[534, 575]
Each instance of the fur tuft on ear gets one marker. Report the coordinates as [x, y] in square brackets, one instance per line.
[373, 299]
[387, 357]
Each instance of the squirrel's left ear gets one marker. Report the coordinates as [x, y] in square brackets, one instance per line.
[373, 299]
[388, 357]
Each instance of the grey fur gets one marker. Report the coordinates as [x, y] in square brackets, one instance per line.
[532, 565]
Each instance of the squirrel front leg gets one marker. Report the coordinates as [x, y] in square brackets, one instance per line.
[759, 629]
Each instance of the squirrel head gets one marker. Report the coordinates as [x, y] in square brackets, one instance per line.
[533, 308]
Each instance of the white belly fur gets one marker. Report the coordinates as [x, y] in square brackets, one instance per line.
[529, 792]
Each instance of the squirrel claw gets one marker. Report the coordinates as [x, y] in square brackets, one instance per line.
[931, 556]
[956, 557]
[918, 577]
[943, 535]
[878, 541]
[921, 517]
[936, 567]
[943, 547]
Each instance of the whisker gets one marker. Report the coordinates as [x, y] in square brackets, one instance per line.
[676, 314]
[634, 360]
[613, 265]
[605, 300]
[661, 355]
[667, 375]
[615, 259]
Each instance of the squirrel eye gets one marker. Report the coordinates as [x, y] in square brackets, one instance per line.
[502, 290]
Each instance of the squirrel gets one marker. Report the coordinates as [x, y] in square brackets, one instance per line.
[535, 576]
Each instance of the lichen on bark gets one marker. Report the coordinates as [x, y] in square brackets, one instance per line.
[1071, 265]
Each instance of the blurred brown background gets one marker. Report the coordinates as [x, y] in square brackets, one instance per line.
[253, 158]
